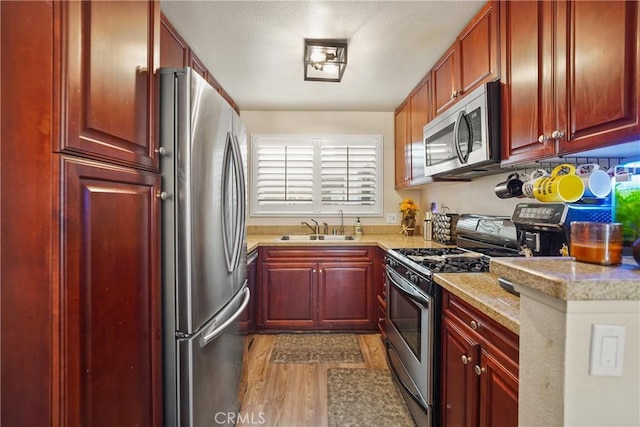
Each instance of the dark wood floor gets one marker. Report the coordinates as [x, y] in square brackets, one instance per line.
[293, 394]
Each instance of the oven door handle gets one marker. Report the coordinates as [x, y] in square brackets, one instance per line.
[408, 290]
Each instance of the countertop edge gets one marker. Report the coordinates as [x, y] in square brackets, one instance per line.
[569, 280]
[482, 291]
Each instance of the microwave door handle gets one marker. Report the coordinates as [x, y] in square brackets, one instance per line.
[456, 140]
[460, 121]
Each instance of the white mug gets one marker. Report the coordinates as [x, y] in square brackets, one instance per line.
[527, 186]
[597, 182]
[620, 173]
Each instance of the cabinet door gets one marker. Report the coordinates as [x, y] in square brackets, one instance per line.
[288, 296]
[460, 353]
[346, 295]
[247, 318]
[420, 108]
[528, 106]
[478, 45]
[445, 76]
[598, 73]
[498, 391]
[197, 65]
[110, 304]
[174, 51]
[108, 97]
[402, 147]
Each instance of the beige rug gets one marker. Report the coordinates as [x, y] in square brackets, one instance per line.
[316, 348]
[365, 397]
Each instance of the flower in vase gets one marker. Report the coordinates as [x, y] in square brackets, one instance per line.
[408, 208]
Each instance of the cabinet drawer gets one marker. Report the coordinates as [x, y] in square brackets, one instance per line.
[317, 254]
[480, 326]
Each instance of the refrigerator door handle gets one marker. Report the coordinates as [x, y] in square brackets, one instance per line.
[218, 330]
[242, 196]
[233, 221]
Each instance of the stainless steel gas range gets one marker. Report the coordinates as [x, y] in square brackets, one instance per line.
[414, 304]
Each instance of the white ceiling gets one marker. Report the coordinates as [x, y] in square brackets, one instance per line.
[254, 49]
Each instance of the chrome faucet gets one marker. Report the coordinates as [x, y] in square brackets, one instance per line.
[316, 229]
[326, 228]
[341, 230]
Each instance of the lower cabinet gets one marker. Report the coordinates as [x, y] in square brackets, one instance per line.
[479, 368]
[316, 288]
[109, 304]
[247, 319]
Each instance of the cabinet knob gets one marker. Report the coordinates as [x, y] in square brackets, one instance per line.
[161, 151]
[478, 370]
[465, 359]
[162, 195]
[557, 134]
[454, 94]
[542, 139]
[474, 325]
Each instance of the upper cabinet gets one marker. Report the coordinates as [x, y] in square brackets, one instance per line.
[176, 53]
[420, 114]
[469, 62]
[472, 60]
[402, 147]
[108, 98]
[570, 77]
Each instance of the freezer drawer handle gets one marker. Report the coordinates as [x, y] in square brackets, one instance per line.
[206, 339]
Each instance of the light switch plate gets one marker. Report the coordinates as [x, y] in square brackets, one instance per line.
[607, 350]
[392, 218]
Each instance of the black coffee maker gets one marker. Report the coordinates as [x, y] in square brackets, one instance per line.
[544, 229]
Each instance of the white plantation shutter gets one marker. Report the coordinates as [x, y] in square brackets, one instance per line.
[317, 175]
[348, 174]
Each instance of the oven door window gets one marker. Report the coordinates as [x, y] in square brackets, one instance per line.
[406, 316]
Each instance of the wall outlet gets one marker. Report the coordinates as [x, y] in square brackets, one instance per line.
[392, 218]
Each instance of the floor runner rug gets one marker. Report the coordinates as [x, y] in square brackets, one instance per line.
[316, 348]
[365, 397]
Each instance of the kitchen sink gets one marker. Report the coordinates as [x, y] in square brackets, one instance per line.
[334, 237]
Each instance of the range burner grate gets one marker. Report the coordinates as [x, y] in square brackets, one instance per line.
[447, 260]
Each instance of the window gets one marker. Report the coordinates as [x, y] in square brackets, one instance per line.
[306, 175]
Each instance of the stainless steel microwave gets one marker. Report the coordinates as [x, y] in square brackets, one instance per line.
[464, 141]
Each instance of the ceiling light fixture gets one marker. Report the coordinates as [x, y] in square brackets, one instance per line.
[324, 60]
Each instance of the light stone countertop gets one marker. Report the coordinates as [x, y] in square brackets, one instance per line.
[567, 279]
[384, 241]
[482, 291]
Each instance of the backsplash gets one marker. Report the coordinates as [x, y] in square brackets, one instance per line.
[475, 196]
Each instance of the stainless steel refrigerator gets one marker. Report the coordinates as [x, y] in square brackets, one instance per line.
[203, 150]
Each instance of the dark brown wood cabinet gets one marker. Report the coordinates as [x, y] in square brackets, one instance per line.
[107, 97]
[317, 288]
[570, 77]
[110, 337]
[419, 115]
[174, 51]
[472, 60]
[247, 319]
[402, 146]
[479, 368]
[79, 246]
[446, 77]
